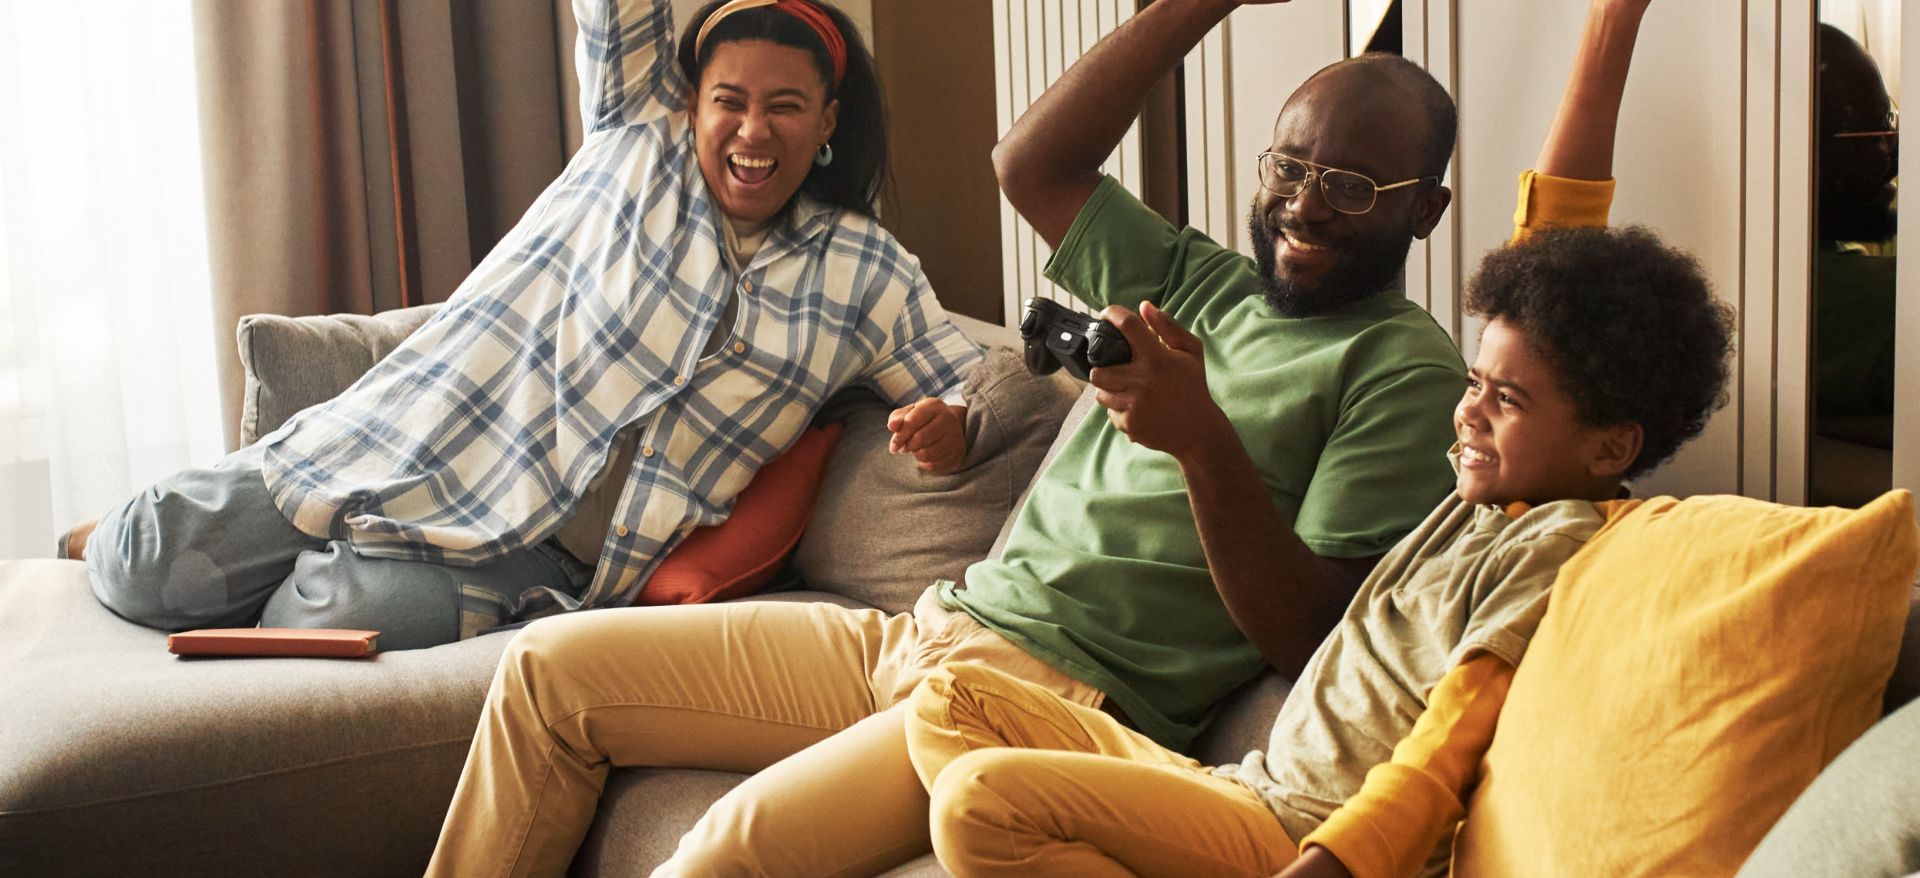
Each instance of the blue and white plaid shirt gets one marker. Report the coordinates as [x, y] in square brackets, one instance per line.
[479, 435]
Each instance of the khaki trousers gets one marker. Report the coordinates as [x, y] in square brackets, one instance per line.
[799, 693]
[1024, 783]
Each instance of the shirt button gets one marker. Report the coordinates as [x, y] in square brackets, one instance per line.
[746, 286]
[622, 530]
[647, 451]
[679, 380]
[739, 347]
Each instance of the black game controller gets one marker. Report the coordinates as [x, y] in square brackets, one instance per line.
[1060, 336]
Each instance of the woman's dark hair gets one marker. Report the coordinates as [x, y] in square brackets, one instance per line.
[1629, 325]
[854, 180]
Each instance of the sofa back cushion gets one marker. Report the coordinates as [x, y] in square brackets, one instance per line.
[1702, 660]
[293, 363]
[883, 530]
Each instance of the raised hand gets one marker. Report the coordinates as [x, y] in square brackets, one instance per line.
[1159, 398]
[933, 432]
[1579, 145]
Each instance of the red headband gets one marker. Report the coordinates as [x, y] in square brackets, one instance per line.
[813, 16]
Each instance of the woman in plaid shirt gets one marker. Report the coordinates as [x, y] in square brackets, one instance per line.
[667, 317]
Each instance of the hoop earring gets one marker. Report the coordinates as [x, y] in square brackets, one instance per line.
[824, 157]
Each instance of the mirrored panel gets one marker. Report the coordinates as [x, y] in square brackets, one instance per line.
[1373, 26]
[1857, 166]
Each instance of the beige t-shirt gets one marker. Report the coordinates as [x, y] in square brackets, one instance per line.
[1469, 579]
[583, 534]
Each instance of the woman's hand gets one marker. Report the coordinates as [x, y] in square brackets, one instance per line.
[933, 432]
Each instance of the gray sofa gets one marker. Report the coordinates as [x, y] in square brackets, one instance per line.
[118, 758]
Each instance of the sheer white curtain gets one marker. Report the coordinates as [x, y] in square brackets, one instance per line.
[106, 341]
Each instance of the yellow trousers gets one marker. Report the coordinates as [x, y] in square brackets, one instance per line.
[799, 693]
[1025, 783]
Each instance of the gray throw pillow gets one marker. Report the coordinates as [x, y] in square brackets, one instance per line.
[882, 531]
[293, 363]
[1860, 817]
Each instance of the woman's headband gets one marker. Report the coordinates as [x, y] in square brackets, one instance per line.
[812, 15]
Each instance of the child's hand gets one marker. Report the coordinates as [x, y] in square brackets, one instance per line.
[1316, 862]
[934, 432]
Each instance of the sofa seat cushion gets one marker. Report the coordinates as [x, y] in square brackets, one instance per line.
[115, 754]
[1243, 721]
[117, 757]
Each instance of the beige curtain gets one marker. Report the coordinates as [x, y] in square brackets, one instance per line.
[363, 155]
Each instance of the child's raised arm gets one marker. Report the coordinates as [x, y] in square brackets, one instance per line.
[1579, 146]
[1572, 181]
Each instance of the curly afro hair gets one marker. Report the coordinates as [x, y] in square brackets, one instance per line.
[1628, 324]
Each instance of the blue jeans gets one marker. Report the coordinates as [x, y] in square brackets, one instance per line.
[207, 548]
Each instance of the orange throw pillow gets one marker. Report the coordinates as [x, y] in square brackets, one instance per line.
[737, 557]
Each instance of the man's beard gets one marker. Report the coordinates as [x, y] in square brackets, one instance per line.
[1366, 265]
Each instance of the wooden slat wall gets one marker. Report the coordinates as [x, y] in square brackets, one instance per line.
[1034, 42]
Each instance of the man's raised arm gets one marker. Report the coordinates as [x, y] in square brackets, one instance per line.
[1049, 162]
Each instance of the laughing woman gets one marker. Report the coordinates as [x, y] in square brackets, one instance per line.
[666, 318]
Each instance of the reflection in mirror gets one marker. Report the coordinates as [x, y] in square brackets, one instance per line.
[1373, 26]
[1850, 457]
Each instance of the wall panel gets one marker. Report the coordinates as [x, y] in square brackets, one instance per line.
[1034, 42]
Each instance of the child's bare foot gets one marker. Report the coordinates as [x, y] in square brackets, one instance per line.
[73, 543]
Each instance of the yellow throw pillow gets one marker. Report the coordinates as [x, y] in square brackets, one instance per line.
[1701, 661]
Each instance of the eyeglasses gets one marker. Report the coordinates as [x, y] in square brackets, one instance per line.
[1892, 128]
[1346, 191]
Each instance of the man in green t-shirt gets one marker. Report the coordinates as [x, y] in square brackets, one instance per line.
[1248, 475]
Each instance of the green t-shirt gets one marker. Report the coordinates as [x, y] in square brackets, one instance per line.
[1347, 415]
